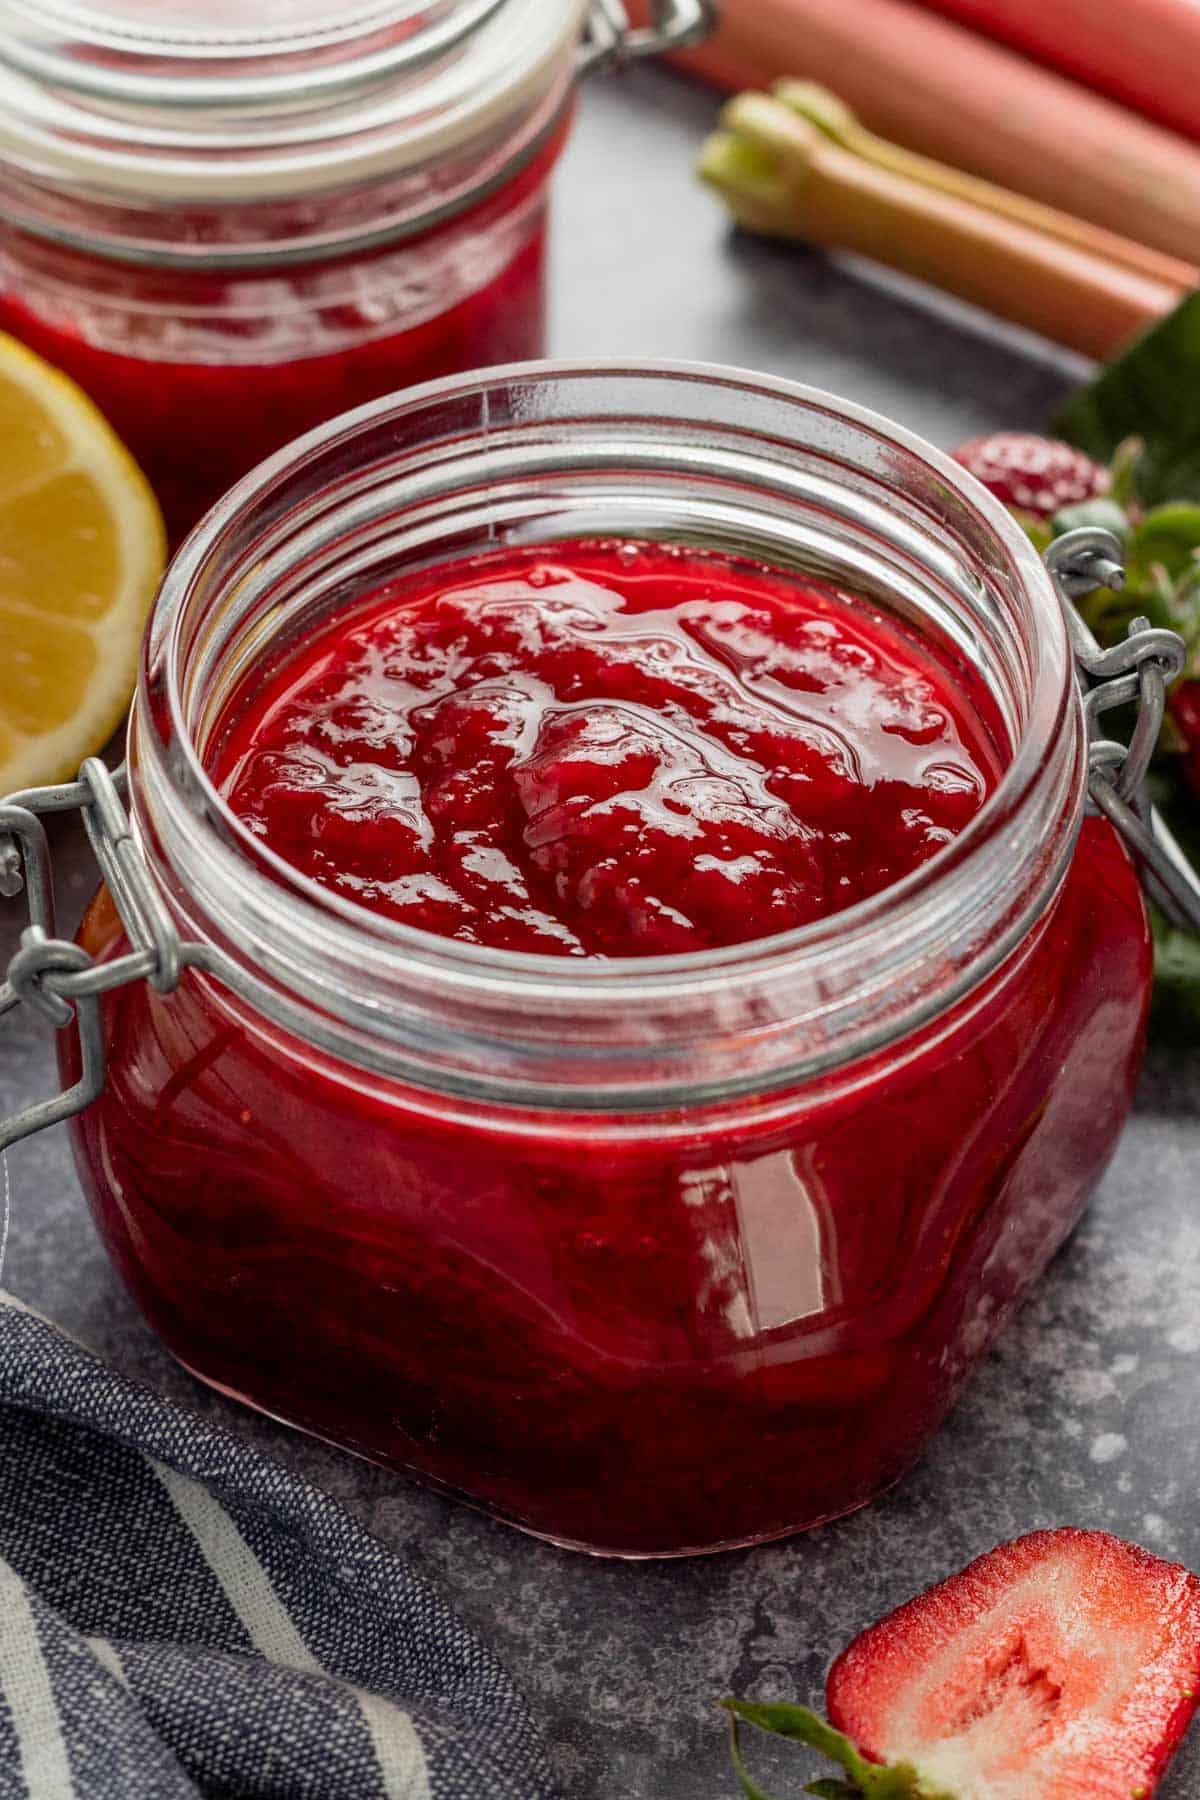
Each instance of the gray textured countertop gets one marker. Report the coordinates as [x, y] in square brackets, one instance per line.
[1088, 1410]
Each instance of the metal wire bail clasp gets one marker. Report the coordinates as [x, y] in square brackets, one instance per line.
[612, 40]
[53, 975]
[1137, 672]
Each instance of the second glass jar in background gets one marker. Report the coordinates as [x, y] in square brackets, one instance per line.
[228, 232]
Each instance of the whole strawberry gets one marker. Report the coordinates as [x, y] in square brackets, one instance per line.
[1032, 474]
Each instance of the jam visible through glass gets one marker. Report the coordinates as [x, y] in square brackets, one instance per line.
[608, 750]
[638, 1334]
[204, 372]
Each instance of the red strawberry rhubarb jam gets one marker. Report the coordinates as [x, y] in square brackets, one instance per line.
[610, 752]
[689, 1325]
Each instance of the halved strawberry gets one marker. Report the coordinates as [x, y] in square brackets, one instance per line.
[1033, 474]
[1063, 1666]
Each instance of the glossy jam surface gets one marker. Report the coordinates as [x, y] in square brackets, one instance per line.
[644, 1335]
[204, 373]
[610, 750]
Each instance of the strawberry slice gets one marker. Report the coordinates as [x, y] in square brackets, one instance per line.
[1063, 1666]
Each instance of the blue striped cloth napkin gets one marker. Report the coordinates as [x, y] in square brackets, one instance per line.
[179, 1617]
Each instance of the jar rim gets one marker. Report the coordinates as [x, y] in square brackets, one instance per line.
[152, 116]
[1047, 761]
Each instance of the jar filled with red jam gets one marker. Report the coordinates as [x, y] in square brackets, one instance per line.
[229, 223]
[647, 995]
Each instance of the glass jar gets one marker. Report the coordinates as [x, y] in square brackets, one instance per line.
[647, 1257]
[228, 232]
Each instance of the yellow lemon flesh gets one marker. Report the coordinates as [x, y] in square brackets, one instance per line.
[82, 548]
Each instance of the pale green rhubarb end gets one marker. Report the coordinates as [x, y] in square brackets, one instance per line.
[861, 1780]
[824, 109]
[759, 162]
[747, 178]
[768, 142]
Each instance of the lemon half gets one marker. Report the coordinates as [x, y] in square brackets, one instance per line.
[82, 550]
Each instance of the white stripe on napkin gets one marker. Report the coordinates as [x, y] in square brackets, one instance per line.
[247, 1587]
[242, 1578]
[25, 1684]
[397, 1747]
[106, 1655]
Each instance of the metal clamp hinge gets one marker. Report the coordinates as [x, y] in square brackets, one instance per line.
[1137, 672]
[55, 976]
[611, 40]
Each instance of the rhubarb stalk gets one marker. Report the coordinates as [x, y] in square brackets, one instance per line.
[783, 176]
[1143, 54]
[940, 89]
[836, 120]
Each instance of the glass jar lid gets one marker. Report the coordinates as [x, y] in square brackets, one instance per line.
[208, 101]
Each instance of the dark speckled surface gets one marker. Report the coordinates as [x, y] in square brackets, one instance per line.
[1087, 1412]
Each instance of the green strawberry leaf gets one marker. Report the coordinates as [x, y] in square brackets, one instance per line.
[800, 1725]
[748, 1786]
[1123, 470]
[867, 1780]
[1101, 511]
[1167, 535]
[1108, 616]
[1036, 530]
[1152, 391]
